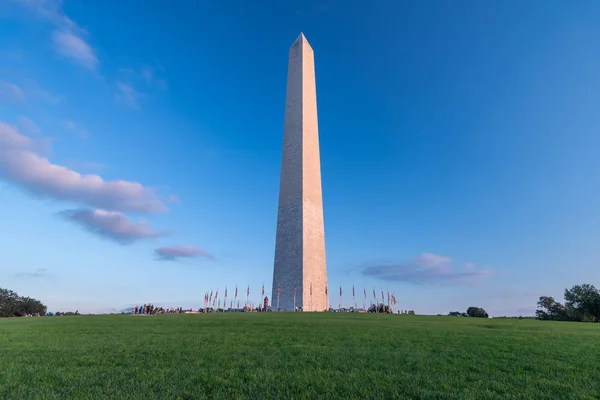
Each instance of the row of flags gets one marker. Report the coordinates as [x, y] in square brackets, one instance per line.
[208, 298]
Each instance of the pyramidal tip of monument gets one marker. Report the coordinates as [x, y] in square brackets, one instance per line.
[301, 38]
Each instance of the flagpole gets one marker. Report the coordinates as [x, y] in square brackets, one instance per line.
[235, 298]
[294, 296]
[375, 301]
[365, 299]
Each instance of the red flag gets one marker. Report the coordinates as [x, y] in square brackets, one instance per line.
[325, 290]
[210, 295]
[217, 294]
[278, 291]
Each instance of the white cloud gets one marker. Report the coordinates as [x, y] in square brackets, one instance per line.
[10, 138]
[68, 37]
[71, 46]
[127, 95]
[10, 92]
[111, 225]
[174, 253]
[424, 269]
[22, 166]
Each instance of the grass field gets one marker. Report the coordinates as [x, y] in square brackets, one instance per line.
[297, 356]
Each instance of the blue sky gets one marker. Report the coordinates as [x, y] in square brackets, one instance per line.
[140, 149]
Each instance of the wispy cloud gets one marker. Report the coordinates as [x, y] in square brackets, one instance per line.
[9, 92]
[22, 166]
[111, 225]
[425, 269]
[28, 126]
[151, 77]
[175, 253]
[71, 46]
[68, 37]
[127, 95]
[29, 90]
[36, 92]
[38, 273]
[148, 76]
[76, 128]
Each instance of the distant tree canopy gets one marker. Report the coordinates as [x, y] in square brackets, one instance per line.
[476, 312]
[13, 305]
[457, 314]
[582, 303]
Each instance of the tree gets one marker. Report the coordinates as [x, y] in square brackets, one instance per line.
[477, 312]
[12, 305]
[551, 309]
[585, 299]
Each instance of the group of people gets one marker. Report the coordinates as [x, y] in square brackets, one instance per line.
[150, 309]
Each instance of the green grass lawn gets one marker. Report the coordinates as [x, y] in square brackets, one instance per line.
[297, 356]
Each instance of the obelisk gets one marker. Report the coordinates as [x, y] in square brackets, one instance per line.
[300, 270]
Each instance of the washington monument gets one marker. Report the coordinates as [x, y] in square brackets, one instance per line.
[300, 271]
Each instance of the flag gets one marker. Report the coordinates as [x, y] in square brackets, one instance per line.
[311, 289]
[374, 295]
[340, 290]
[210, 298]
[365, 290]
[382, 299]
[248, 292]
[236, 291]
[263, 291]
[352, 290]
[278, 291]
[217, 294]
[225, 291]
[294, 289]
[325, 290]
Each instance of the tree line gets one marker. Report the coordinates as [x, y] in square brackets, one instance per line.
[13, 305]
[582, 303]
[474, 312]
